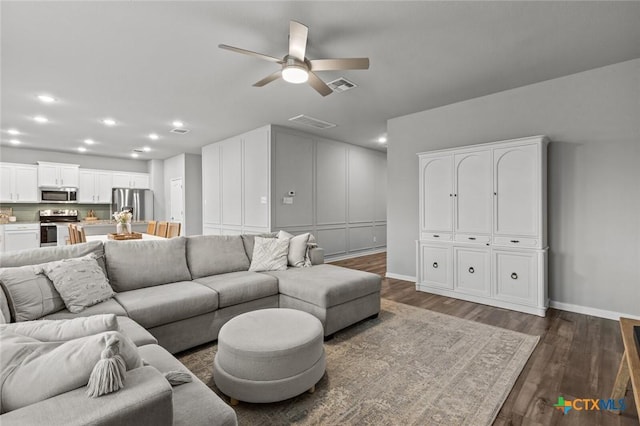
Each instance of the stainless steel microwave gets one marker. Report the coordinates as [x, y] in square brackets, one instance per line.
[61, 195]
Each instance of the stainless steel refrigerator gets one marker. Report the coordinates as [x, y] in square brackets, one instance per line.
[138, 201]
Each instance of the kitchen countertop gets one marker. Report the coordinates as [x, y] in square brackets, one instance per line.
[103, 222]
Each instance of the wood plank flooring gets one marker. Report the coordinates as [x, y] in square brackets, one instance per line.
[577, 356]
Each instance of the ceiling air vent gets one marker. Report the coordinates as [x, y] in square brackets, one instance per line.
[341, 85]
[179, 131]
[305, 120]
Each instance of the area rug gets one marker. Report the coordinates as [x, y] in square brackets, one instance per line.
[408, 366]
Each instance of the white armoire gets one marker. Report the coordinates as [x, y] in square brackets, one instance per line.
[483, 224]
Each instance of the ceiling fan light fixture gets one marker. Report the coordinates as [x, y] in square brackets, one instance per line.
[295, 74]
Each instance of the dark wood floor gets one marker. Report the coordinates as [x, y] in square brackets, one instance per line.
[577, 356]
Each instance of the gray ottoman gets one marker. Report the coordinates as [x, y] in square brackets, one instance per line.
[269, 355]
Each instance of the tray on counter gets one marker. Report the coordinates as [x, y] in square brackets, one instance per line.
[120, 237]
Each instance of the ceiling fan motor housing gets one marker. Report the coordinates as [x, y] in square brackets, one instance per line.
[294, 70]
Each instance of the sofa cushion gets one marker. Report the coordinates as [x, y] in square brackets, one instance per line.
[215, 254]
[193, 403]
[80, 281]
[163, 304]
[239, 287]
[50, 254]
[326, 285]
[110, 306]
[30, 292]
[137, 264]
[134, 331]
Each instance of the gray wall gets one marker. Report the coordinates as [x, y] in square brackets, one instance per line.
[189, 168]
[31, 156]
[340, 192]
[593, 121]
[193, 194]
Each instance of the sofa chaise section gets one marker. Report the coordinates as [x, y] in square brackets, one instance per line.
[337, 296]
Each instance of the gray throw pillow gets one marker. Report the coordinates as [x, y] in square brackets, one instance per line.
[30, 294]
[298, 249]
[269, 254]
[80, 281]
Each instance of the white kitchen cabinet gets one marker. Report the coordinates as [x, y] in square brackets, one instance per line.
[56, 175]
[491, 232]
[131, 180]
[95, 186]
[21, 236]
[19, 183]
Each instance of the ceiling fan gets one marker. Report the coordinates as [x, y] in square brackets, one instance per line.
[296, 68]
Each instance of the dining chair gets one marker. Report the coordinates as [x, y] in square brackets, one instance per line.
[151, 227]
[174, 229]
[72, 233]
[161, 229]
[81, 237]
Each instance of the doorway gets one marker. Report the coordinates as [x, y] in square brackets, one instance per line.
[177, 203]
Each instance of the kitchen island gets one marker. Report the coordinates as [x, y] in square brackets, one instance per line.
[97, 227]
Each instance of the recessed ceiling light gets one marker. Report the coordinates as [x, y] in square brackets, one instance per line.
[89, 141]
[134, 154]
[13, 132]
[109, 122]
[15, 142]
[47, 99]
[146, 149]
[382, 139]
[153, 136]
[178, 123]
[40, 119]
[82, 149]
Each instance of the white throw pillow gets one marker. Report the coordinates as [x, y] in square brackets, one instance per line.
[298, 249]
[63, 330]
[80, 281]
[35, 370]
[269, 254]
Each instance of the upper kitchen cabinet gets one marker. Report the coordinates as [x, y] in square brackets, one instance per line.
[18, 183]
[95, 186]
[131, 180]
[58, 175]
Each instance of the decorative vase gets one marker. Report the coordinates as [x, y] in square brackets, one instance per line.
[123, 228]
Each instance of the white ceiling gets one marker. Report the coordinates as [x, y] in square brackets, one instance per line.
[148, 63]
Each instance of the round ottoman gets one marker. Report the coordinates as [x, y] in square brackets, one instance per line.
[269, 355]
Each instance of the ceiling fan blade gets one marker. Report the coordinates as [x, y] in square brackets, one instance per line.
[268, 79]
[297, 40]
[250, 53]
[319, 85]
[340, 64]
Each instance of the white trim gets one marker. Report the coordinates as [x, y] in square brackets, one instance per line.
[587, 310]
[400, 277]
[328, 259]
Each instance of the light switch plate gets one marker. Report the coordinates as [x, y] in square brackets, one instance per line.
[287, 200]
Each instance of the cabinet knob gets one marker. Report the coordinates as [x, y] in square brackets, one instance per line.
[450, 195]
[472, 238]
[471, 270]
[515, 241]
[436, 236]
[514, 276]
[435, 265]
[455, 195]
[495, 193]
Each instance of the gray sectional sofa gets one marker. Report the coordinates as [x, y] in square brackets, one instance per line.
[175, 294]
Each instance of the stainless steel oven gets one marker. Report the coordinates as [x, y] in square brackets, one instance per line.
[49, 221]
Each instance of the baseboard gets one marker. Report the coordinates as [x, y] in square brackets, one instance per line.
[587, 310]
[400, 277]
[328, 259]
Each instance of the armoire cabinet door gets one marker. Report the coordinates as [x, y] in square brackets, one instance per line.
[517, 190]
[436, 187]
[516, 276]
[472, 196]
[472, 271]
[436, 265]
